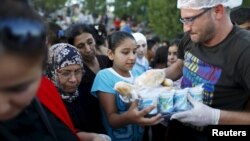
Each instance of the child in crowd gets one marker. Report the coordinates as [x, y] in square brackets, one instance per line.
[172, 51]
[122, 121]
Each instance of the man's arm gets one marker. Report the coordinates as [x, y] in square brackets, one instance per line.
[234, 118]
[174, 72]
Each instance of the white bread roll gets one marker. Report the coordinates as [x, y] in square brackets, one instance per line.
[125, 89]
[150, 78]
[168, 83]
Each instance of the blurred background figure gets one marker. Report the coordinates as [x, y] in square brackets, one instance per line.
[125, 24]
[141, 64]
[117, 23]
[241, 17]
[52, 33]
[100, 36]
[160, 60]
[152, 47]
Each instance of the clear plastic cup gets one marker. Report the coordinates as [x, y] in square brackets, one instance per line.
[180, 100]
[149, 101]
[166, 102]
[196, 93]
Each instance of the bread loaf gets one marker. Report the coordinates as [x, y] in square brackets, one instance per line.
[125, 89]
[150, 78]
[167, 82]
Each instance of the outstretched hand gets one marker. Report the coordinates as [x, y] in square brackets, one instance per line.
[138, 116]
[200, 115]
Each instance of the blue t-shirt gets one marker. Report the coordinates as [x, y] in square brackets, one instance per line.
[105, 81]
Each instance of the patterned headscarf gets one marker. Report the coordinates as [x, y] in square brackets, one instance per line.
[62, 55]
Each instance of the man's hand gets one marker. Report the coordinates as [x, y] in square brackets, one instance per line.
[199, 115]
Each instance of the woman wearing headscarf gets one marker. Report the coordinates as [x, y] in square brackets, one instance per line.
[141, 64]
[65, 69]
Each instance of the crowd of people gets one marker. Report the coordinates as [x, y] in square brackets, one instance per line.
[57, 83]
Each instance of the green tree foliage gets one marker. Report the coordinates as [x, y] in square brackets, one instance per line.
[164, 17]
[48, 5]
[246, 3]
[95, 6]
[134, 8]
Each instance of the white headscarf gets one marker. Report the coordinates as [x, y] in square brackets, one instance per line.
[138, 36]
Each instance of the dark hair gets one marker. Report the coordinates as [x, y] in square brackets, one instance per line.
[116, 38]
[77, 29]
[175, 42]
[151, 43]
[161, 57]
[240, 15]
[31, 42]
[100, 33]
[156, 39]
[52, 35]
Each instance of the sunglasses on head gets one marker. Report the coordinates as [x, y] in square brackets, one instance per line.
[19, 34]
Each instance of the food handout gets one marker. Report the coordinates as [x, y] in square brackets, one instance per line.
[153, 88]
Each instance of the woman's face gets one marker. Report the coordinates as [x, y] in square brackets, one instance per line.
[19, 81]
[69, 77]
[141, 49]
[85, 43]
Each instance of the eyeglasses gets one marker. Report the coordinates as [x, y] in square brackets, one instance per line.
[68, 74]
[19, 33]
[190, 20]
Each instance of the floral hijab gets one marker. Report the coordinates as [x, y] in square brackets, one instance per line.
[62, 55]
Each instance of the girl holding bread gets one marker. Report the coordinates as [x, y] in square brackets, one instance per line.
[122, 121]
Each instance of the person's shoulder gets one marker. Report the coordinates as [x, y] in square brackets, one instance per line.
[106, 70]
[46, 87]
[103, 72]
[242, 35]
[47, 92]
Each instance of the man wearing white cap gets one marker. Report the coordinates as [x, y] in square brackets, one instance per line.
[215, 53]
